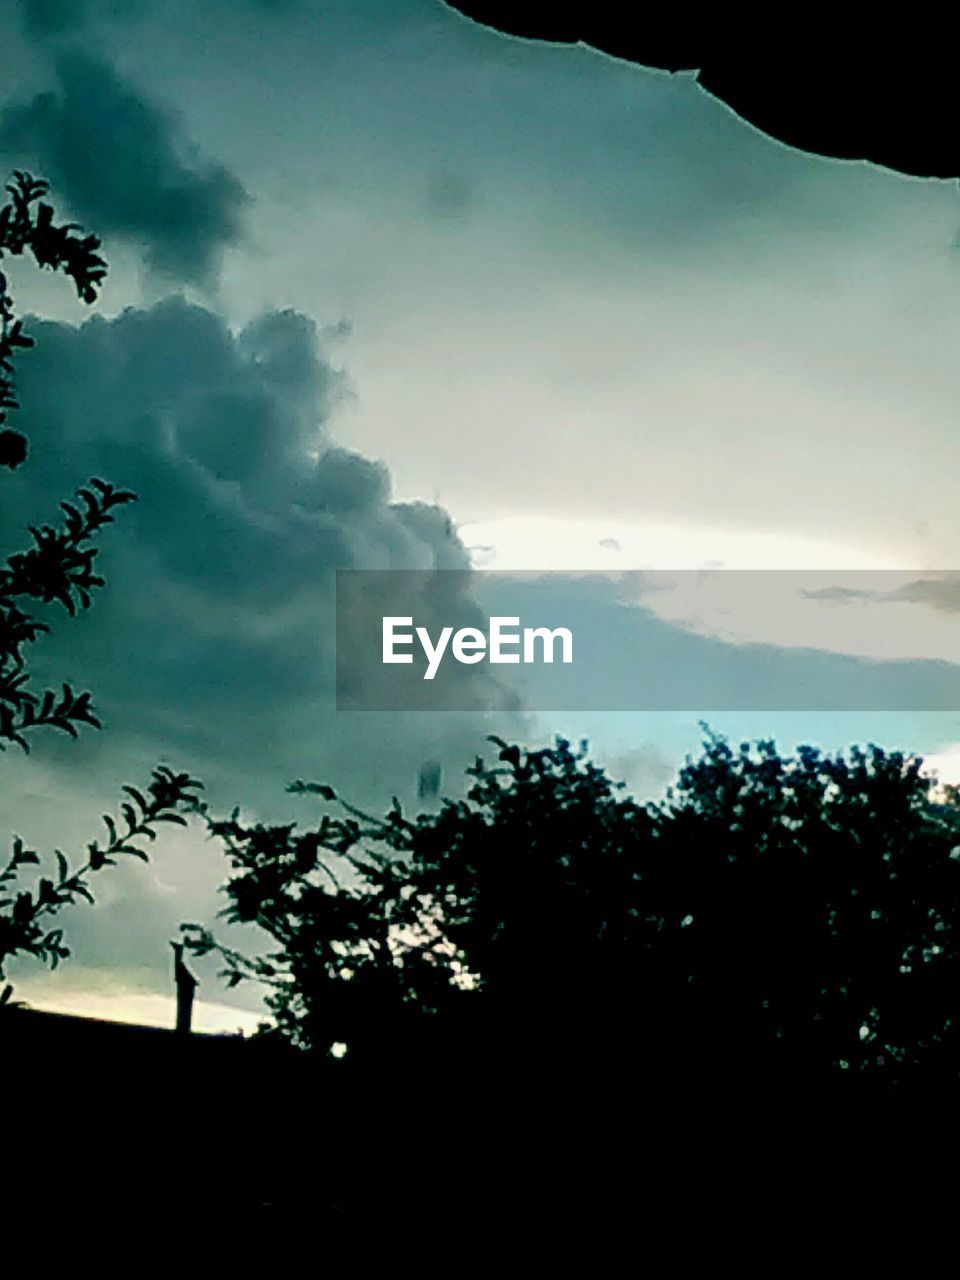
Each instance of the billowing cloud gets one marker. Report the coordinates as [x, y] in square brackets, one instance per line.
[212, 645]
[122, 165]
[221, 578]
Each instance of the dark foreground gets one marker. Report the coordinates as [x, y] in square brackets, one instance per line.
[249, 1135]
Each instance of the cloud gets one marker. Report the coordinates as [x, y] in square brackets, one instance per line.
[646, 770]
[44, 19]
[939, 592]
[726, 641]
[123, 166]
[247, 504]
[54, 17]
[212, 645]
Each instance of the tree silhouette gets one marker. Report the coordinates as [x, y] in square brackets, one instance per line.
[59, 567]
[773, 915]
[24, 917]
[27, 224]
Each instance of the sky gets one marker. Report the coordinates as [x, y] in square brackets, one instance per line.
[389, 290]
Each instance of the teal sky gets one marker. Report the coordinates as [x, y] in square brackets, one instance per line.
[582, 307]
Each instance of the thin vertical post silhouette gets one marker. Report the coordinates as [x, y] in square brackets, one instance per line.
[186, 989]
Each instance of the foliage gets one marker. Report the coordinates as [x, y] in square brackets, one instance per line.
[796, 911]
[59, 567]
[27, 223]
[24, 917]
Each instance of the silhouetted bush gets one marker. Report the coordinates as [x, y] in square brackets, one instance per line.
[771, 914]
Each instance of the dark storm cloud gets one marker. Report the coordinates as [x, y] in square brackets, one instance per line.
[53, 18]
[211, 646]
[122, 165]
[220, 582]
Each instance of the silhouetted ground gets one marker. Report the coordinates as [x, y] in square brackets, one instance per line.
[257, 1138]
